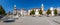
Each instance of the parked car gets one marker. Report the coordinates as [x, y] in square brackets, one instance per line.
[8, 19]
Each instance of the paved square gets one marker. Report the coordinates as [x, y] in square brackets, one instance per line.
[28, 20]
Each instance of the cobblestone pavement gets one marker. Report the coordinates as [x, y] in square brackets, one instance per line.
[28, 20]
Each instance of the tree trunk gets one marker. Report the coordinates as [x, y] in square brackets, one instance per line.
[55, 15]
[47, 15]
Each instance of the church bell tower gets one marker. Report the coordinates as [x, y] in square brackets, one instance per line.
[42, 6]
[15, 10]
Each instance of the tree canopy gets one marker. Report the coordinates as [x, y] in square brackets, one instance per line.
[40, 12]
[55, 12]
[32, 12]
[48, 12]
[2, 11]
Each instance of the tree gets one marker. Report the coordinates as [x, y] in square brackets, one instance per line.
[32, 12]
[48, 12]
[2, 11]
[55, 12]
[40, 12]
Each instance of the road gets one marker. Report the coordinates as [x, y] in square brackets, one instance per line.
[28, 20]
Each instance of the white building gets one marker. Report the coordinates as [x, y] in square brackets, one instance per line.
[58, 10]
[29, 12]
[44, 13]
[52, 11]
[20, 12]
[23, 12]
[36, 10]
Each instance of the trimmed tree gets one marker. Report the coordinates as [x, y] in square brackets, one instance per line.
[32, 12]
[40, 12]
[48, 12]
[55, 12]
[2, 11]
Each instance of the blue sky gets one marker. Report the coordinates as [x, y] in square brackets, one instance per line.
[8, 5]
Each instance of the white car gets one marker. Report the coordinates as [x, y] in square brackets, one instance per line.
[8, 19]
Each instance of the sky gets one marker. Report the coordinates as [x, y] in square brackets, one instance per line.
[8, 5]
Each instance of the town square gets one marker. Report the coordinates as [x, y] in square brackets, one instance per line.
[29, 12]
